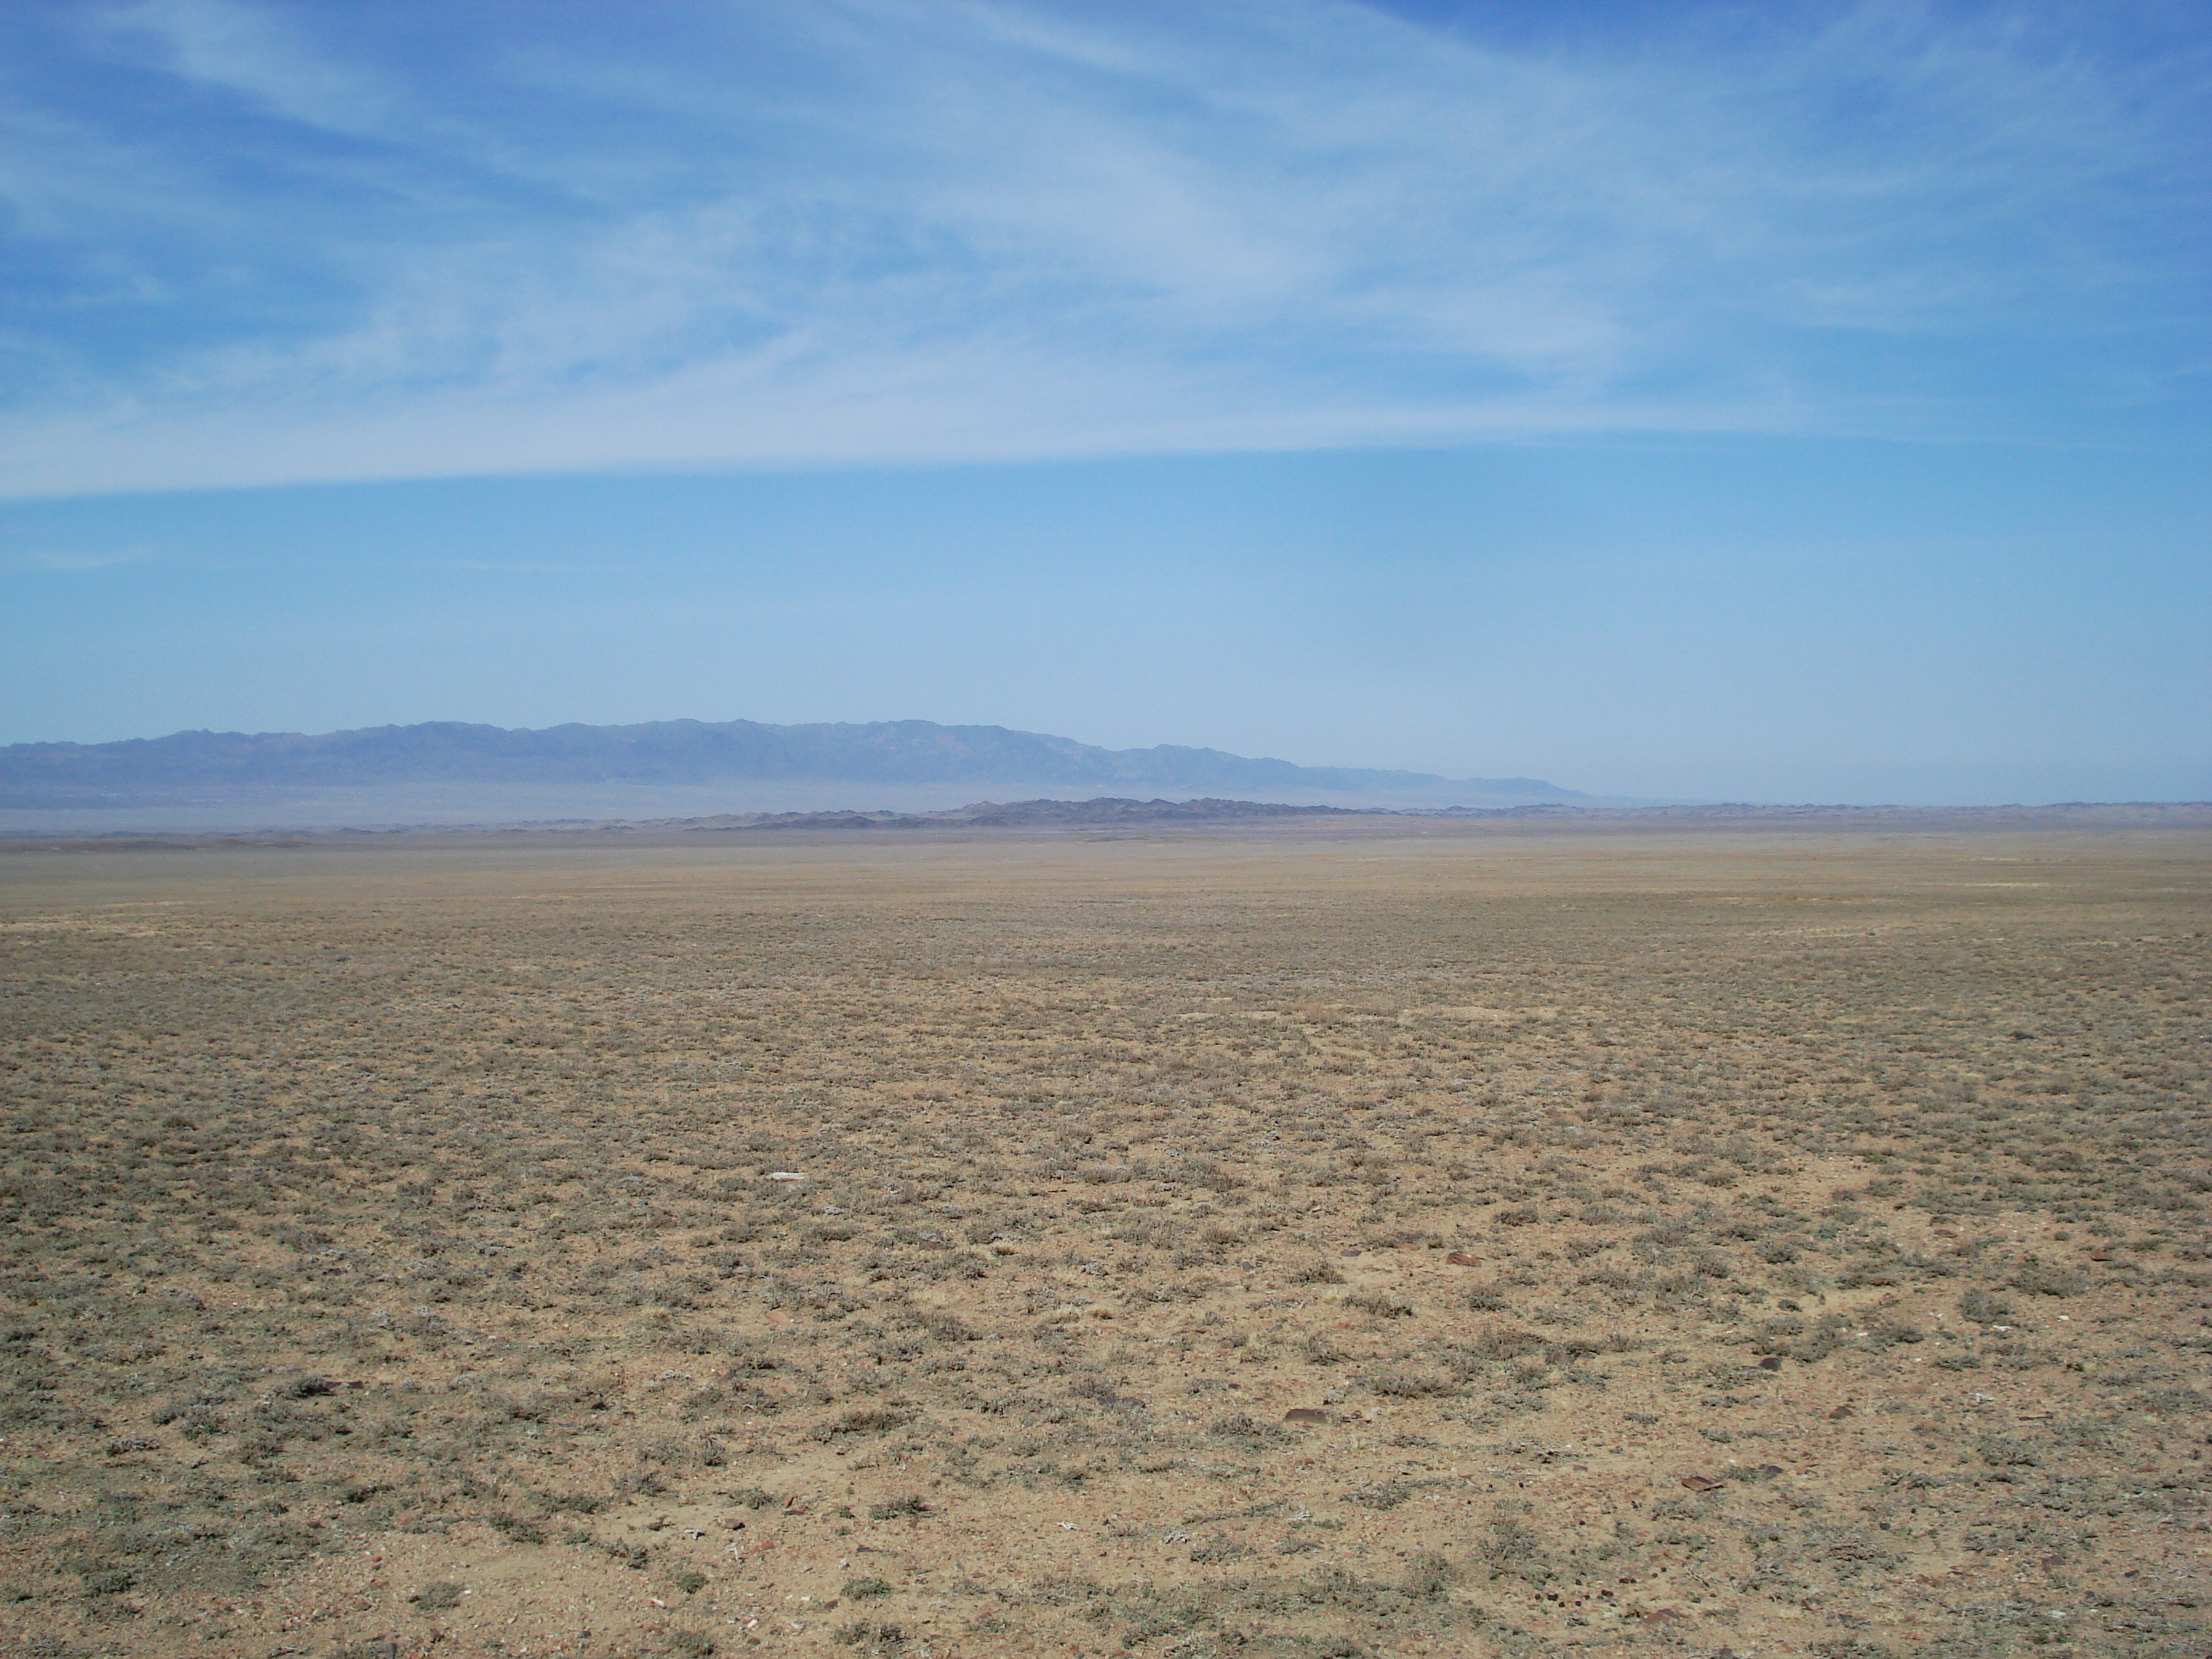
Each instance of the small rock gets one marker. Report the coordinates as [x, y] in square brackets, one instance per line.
[1840, 1413]
[1701, 1483]
[1304, 1414]
[1772, 1362]
[1461, 1259]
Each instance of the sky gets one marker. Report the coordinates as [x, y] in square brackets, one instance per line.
[1773, 402]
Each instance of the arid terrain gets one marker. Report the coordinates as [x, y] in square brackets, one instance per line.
[1378, 1238]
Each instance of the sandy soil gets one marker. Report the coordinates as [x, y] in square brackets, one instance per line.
[1407, 1238]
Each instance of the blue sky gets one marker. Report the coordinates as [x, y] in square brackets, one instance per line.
[1776, 402]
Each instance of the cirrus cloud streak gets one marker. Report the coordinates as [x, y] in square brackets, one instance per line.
[276, 243]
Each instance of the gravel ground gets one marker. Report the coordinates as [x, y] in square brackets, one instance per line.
[1399, 1238]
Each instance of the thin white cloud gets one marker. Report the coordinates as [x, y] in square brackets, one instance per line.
[71, 561]
[255, 51]
[891, 230]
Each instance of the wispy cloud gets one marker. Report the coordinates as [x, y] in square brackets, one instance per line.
[276, 242]
[254, 50]
[71, 562]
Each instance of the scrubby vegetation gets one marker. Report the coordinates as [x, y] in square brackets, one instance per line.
[1467, 1244]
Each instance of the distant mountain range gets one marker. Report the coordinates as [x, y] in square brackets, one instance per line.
[198, 764]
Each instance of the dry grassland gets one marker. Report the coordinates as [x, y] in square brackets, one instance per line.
[1369, 1240]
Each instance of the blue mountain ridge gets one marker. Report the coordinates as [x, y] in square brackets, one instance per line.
[670, 752]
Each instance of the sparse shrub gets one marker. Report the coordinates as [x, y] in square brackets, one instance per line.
[2009, 1451]
[1984, 1306]
[1499, 1342]
[2044, 1278]
[1384, 1495]
[1429, 1574]
[864, 1420]
[1318, 1350]
[1241, 1425]
[1402, 1386]
[1382, 1307]
[863, 1634]
[1219, 1548]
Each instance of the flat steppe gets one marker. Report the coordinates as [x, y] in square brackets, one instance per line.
[1391, 1238]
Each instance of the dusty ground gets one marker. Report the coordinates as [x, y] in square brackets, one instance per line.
[1383, 1240]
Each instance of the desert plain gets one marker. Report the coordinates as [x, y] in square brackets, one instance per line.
[1347, 1237]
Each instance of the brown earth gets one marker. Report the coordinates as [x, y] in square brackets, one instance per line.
[1395, 1237]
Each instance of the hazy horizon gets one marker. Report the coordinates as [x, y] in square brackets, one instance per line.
[1683, 402]
[444, 799]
